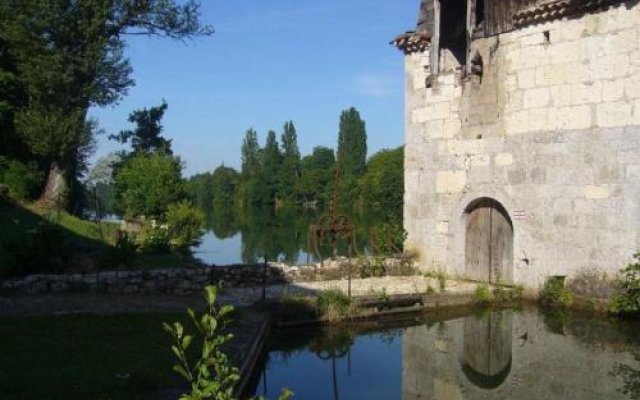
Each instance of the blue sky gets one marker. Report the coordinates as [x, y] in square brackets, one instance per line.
[267, 63]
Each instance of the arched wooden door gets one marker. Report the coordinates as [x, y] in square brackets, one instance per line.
[488, 242]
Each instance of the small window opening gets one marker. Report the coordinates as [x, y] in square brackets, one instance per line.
[453, 34]
[476, 68]
[547, 37]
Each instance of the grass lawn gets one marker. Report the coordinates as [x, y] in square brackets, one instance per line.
[79, 356]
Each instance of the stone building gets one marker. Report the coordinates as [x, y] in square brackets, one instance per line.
[522, 157]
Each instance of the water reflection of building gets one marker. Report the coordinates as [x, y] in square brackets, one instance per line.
[503, 355]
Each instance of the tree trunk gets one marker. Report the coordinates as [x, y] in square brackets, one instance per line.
[55, 192]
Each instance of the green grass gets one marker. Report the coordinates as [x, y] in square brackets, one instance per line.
[79, 356]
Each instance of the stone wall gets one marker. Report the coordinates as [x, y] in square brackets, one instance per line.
[184, 281]
[179, 281]
[551, 131]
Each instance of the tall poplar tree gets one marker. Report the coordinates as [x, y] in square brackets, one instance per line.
[271, 162]
[352, 143]
[291, 164]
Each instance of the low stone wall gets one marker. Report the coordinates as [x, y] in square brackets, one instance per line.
[180, 281]
[184, 281]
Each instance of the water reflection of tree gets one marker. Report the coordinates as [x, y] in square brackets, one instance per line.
[277, 234]
[335, 344]
[630, 378]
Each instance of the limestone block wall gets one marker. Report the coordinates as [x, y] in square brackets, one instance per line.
[551, 131]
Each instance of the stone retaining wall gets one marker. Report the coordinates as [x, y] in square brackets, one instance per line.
[180, 281]
[184, 281]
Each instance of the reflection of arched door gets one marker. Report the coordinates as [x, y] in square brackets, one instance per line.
[488, 242]
[486, 358]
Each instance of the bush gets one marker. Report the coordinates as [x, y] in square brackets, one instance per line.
[185, 225]
[23, 180]
[555, 294]
[211, 375]
[628, 300]
[371, 267]
[390, 237]
[334, 305]
[155, 238]
[125, 251]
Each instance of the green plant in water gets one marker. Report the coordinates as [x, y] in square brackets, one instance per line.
[628, 300]
[482, 295]
[211, 376]
[554, 293]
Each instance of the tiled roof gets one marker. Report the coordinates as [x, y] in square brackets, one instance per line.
[412, 42]
[548, 10]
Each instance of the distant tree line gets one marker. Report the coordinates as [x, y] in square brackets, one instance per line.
[276, 175]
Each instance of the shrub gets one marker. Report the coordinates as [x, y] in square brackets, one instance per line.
[371, 267]
[390, 237]
[124, 251]
[211, 376]
[334, 305]
[23, 180]
[185, 225]
[555, 294]
[628, 300]
[155, 238]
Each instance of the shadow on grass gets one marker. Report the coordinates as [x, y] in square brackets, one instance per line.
[56, 242]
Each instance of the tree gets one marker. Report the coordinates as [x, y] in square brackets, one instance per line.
[147, 183]
[225, 183]
[291, 167]
[382, 187]
[250, 173]
[69, 56]
[146, 136]
[271, 162]
[352, 143]
[200, 189]
[317, 174]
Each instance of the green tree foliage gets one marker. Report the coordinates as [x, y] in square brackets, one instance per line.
[68, 56]
[146, 136]
[24, 180]
[185, 225]
[200, 189]
[290, 170]
[225, 185]
[352, 143]
[627, 301]
[147, 183]
[317, 175]
[382, 186]
[251, 167]
[268, 181]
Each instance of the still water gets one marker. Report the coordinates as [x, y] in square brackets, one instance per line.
[505, 354]
[247, 236]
